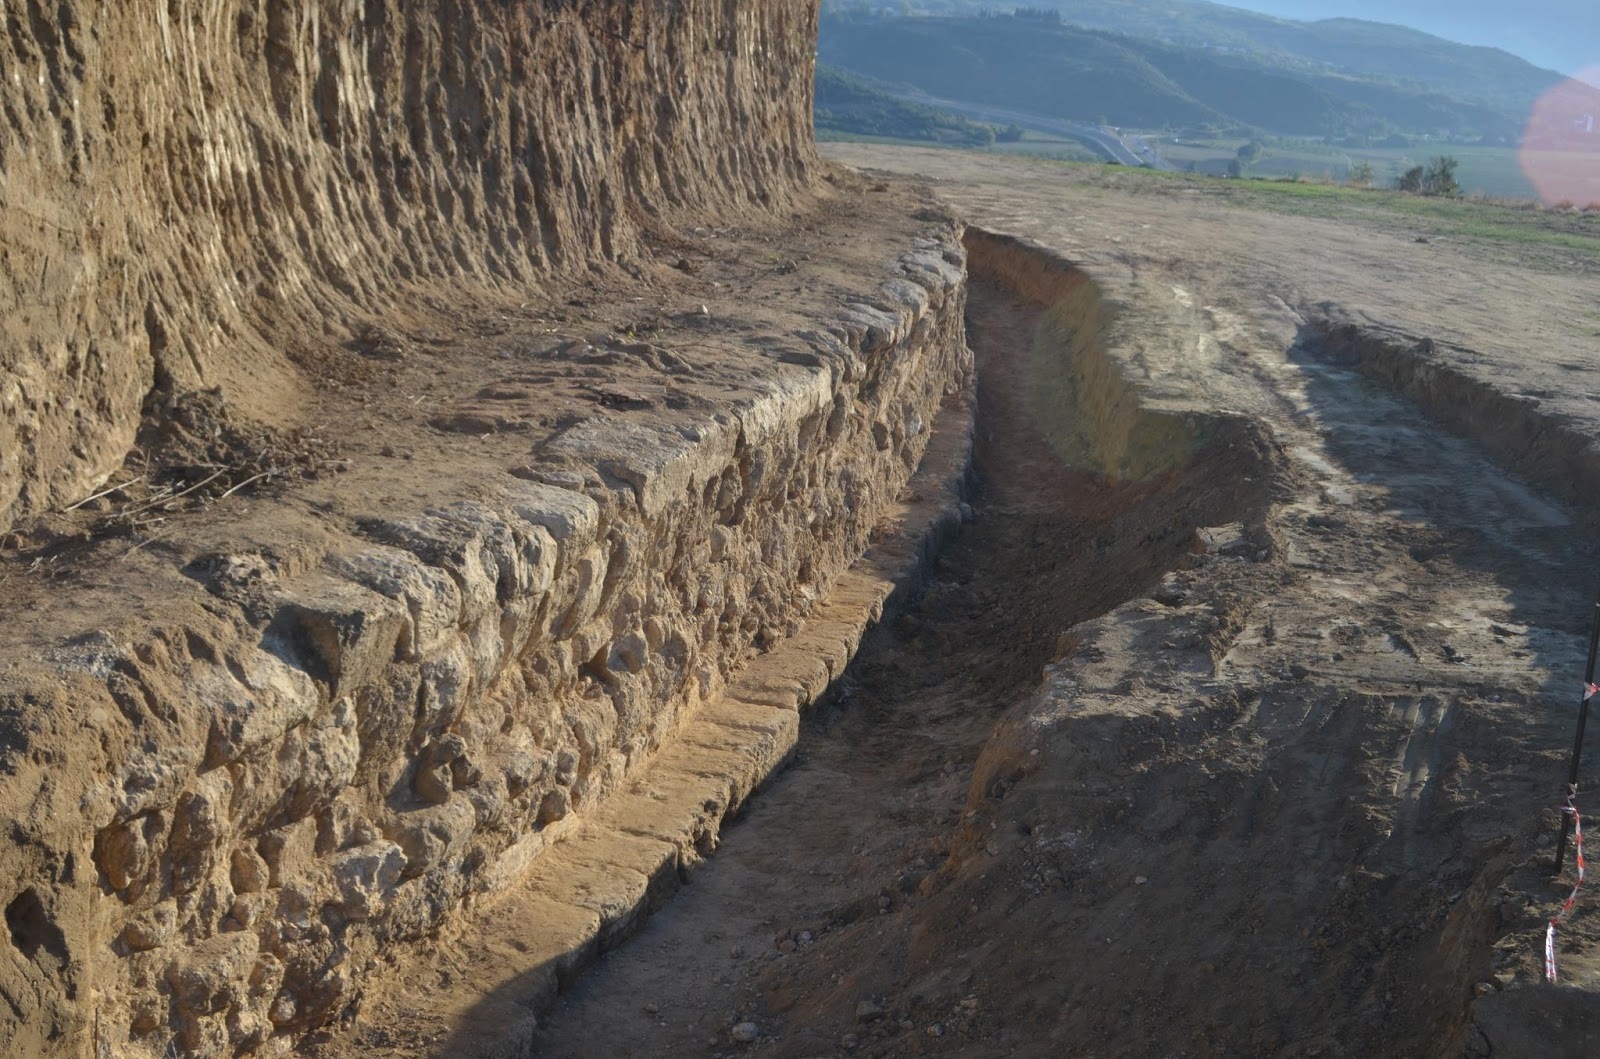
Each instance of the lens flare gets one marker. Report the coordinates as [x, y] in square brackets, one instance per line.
[1560, 150]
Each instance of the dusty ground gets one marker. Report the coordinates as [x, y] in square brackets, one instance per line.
[1300, 805]
[424, 407]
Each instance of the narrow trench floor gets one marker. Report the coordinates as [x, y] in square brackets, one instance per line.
[866, 812]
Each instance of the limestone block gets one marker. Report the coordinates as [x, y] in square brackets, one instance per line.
[273, 697]
[432, 835]
[444, 541]
[248, 871]
[153, 929]
[210, 977]
[655, 464]
[126, 851]
[430, 595]
[446, 682]
[364, 876]
[289, 851]
[571, 519]
[910, 298]
[523, 555]
[200, 821]
[877, 330]
[351, 632]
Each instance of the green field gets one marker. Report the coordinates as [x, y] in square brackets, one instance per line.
[1491, 171]
[1032, 145]
[1043, 145]
[1557, 239]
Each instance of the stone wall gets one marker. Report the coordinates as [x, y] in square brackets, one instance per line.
[222, 821]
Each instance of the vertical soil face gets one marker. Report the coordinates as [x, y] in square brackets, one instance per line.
[206, 195]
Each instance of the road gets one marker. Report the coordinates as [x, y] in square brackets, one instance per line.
[1101, 140]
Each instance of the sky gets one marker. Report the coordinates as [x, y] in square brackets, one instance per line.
[1560, 34]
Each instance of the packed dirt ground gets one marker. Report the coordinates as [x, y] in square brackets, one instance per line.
[1115, 788]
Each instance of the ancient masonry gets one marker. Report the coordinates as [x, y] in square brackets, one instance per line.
[232, 794]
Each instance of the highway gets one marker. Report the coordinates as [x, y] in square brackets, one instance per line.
[1102, 141]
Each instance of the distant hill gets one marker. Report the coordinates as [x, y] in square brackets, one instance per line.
[1371, 49]
[1560, 34]
[1368, 50]
[848, 104]
[1050, 67]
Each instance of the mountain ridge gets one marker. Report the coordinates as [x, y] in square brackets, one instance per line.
[1046, 64]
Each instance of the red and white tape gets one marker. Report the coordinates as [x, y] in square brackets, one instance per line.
[1572, 898]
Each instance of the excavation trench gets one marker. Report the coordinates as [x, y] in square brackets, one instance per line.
[1084, 499]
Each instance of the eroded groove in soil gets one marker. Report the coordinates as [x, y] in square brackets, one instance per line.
[863, 823]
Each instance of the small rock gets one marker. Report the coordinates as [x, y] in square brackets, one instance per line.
[1139, 880]
[1170, 594]
[433, 783]
[1485, 989]
[849, 1042]
[1230, 540]
[746, 1033]
[868, 1011]
[786, 945]
[652, 1009]
[936, 1030]
[806, 937]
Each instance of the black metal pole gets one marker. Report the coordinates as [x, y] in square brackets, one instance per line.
[1583, 720]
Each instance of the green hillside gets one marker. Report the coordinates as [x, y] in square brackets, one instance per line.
[1343, 47]
[1045, 66]
[848, 104]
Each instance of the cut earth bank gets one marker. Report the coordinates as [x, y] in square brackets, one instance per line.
[1295, 797]
[385, 477]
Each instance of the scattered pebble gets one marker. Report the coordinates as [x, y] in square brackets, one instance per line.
[867, 1010]
[746, 1033]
